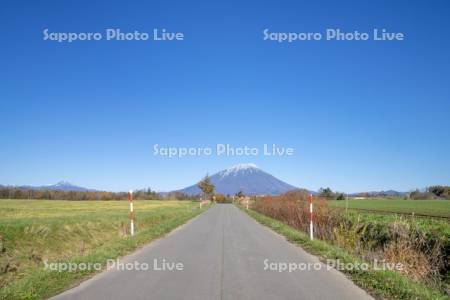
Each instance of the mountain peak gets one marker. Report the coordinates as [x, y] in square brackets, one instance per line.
[247, 178]
[239, 168]
[244, 166]
[62, 183]
[65, 186]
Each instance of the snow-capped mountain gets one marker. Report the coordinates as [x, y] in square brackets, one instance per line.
[247, 178]
[66, 186]
[60, 186]
[235, 170]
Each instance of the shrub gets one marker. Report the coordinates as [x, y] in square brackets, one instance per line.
[424, 252]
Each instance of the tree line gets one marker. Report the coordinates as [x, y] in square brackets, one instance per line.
[43, 194]
[431, 192]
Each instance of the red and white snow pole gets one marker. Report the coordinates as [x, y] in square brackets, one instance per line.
[311, 226]
[130, 199]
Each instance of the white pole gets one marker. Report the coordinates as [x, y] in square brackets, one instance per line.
[130, 199]
[311, 228]
[346, 204]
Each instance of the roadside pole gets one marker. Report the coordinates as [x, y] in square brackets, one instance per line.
[311, 229]
[130, 199]
[346, 205]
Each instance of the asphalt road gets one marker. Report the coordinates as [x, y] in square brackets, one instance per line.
[225, 254]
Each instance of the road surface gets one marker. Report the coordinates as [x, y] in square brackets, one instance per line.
[225, 254]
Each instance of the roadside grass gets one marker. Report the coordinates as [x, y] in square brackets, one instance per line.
[439, 208]
[35, 231]
[380, 283]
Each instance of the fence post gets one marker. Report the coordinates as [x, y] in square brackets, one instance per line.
[130, 199]
[311, 228]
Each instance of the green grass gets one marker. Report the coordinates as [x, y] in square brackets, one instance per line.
[32, 231]
[433, 228]
[440, 208]
[381, 284]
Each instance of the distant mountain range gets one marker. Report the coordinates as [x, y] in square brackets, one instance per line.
[390, 193]
[247, 178]
[60, 186]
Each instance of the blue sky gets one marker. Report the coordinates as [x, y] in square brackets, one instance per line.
[360, 115]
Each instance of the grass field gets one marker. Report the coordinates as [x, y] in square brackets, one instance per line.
[440, 208]
[33, 231]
